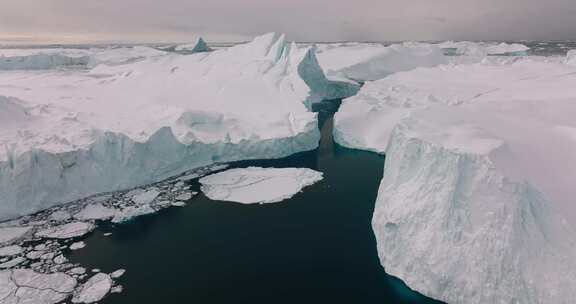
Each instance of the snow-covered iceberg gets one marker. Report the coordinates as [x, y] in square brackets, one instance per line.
[255, 185]
[365, 62]
[477, 200]
[68, 135]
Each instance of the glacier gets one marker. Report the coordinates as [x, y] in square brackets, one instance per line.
[476, 202]
[67, 134]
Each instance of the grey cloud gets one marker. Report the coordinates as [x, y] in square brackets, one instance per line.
[304, 20]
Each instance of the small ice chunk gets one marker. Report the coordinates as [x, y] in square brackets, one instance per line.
[77, 245]
[96, 212]
[258, 185]
[60, 215]
[117, 289]
[185, 196]
[78, 270]
[8, 234]
[178, 204]
[146, 197]
[66, 231]
[60, 260]
[96, 288]
[107, 234]
[10, 250]
[34, 255]
[118, 273]
[132, 212]
[13, 262]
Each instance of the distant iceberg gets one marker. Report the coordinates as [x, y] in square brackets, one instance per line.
[195, 47]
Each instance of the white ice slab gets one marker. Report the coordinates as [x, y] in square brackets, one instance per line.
[255, 185]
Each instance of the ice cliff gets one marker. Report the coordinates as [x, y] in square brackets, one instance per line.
[477, 200]
[71, 134]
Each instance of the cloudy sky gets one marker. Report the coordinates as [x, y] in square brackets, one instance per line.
[302, 20]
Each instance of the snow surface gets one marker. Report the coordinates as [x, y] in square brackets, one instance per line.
[256, 185]
[477, 200]
[119, 126]
[364, 62]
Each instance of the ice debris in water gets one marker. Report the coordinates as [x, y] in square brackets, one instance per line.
[39, 243]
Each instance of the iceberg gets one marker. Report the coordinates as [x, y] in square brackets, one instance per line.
[70, 59]
[195, 47]
[571, 57]
[476, 203]
[42, 59]
[69, 135]
[256, 185]
[481, 49]
[365, 62]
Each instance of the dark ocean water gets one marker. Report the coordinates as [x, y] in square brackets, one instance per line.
[317, 247]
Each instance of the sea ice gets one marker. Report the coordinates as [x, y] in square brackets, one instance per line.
[255, 185]
[77, 245]
[8, 234]
[66, 231]
[10, 250]
[146, 197]
[96, 288]
[21, 286]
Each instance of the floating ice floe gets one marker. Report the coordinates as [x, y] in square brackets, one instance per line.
[477, 200]
[115, 127]
[94, 290]
[77, 245]
[66, 231]
[255, 185]
[22, 286]
[9, 234]
[10, 250]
